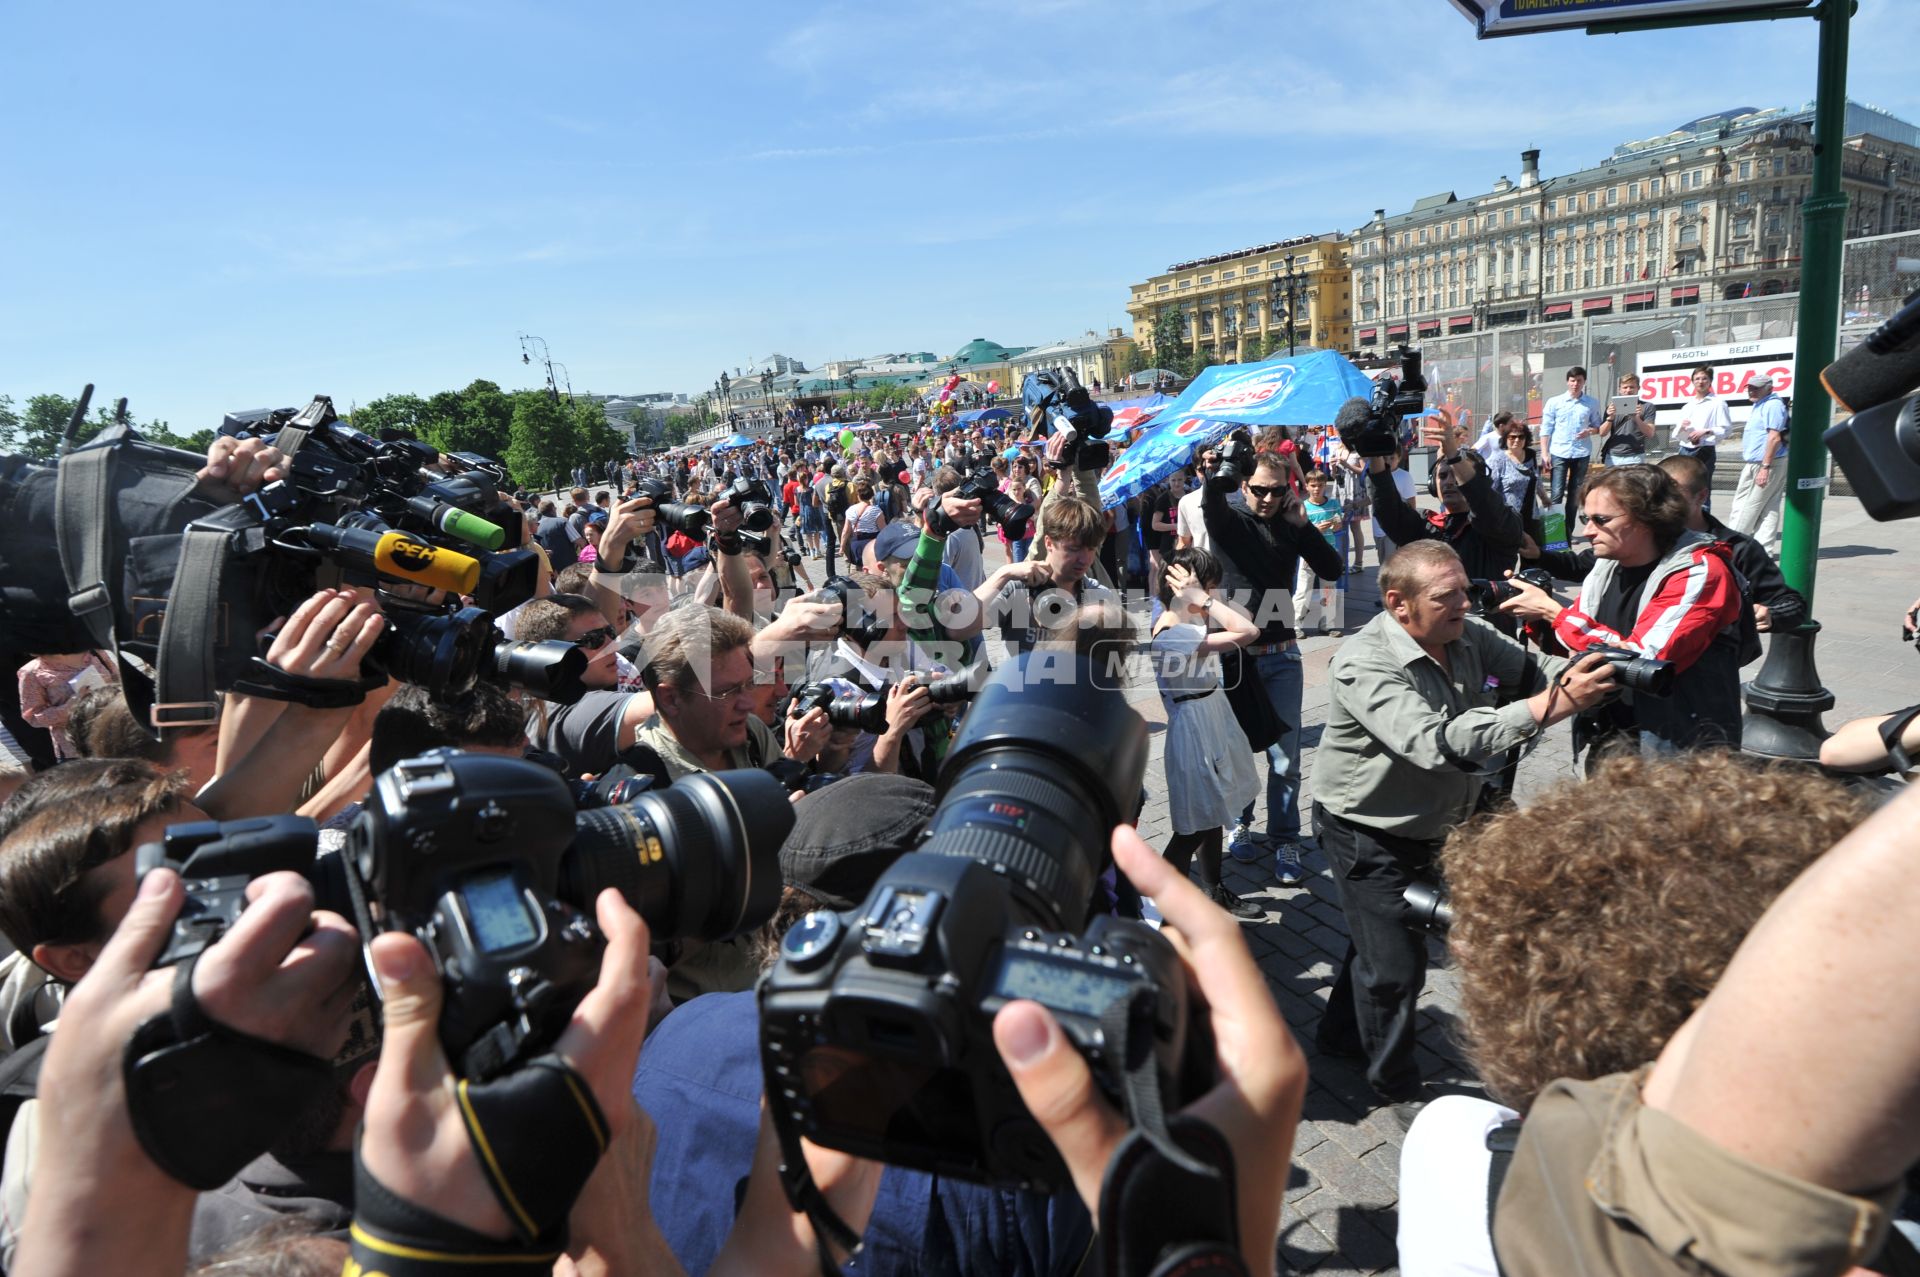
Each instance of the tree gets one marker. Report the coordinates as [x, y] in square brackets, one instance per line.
[391, 412]
[1132, 360]
[542, 447]
[482, 422]
[596, 440]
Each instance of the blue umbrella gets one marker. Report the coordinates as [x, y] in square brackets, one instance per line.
[825, 430]
[1301, 390]
[1166, 446]
[733, 441]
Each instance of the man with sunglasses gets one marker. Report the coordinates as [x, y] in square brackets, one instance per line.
[1658, 589]
[1473, 518]
[1261, 544]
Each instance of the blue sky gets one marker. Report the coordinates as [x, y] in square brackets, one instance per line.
[217, 206]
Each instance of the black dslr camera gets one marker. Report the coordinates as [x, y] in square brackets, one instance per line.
[1647, 675]
[859, 623]
[487, 860]
[1376, 433]
[1487, 596]
[876, 1024]
[867, 711]
[983, 485]
[1234, 466]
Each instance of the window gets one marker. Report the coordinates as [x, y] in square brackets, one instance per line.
[1552, 259]
[1689, 207]
[1453, 297]
[1606, 276]
[1566, 282]
[1689, 234]
[1739, 257]
[1453, 229]
[1526, 213]
[1742, 198]
[1225, 275]
[1590, 224]
[1633, 191]
[1553, 208]
[1586, 278]
[1366, 250]
[1423, 234]
[1586, 252]
[1185, 283]
[1653, 186]
[1162, 288]
[1743, 227]
[1593, 198]
[1779, 166]
[1746, 169]
[1206, 279]
[1613, 195]
[1773, 224]
[1509, 218]
[1611, 248]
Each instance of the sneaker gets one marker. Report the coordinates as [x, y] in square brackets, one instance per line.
[1243, 844]
[1244, 910]
[1286, 864]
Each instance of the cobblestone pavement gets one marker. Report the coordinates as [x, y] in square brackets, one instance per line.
[1340, 1214]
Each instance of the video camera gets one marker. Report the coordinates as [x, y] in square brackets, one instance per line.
[1879, 445]
[1057, 396]
[876, 1023]
[1234, 464]
[489, 862]
[156, 565]
[1376, 431]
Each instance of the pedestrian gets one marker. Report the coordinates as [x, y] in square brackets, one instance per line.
[1210, 773]
[1569, 424]
[1316, 603]
[1702, 425]
[1763, 470]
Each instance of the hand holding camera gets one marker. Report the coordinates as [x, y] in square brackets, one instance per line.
[907, 703]
[328, 636]
[1526, 596]
[243, 465]
[1589, 681]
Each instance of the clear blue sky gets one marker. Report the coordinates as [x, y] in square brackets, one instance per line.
[209, 207]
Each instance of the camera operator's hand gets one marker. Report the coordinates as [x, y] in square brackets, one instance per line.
[1532, 603]
[1529, 548]
[269, 976]
[807, 733]
[907, 703]
[808, 617]
[631, 521]
[415, 1140]
[1587, 682]
[328, 636]
[725, 515]
[1263, 1075]
[242, 465]
[964, 512]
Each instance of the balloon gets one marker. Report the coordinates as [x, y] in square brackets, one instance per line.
[951, 383]
[846, 440]
[993, 387]
[946, 394]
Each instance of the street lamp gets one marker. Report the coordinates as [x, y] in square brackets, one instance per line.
[766, 389]
[527, 343]
[1293, 289]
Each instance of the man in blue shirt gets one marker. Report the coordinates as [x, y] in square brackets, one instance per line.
[1763, 474]
[1568, 424]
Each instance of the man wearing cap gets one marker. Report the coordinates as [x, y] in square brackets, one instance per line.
[1763, 472]
[700, 1080]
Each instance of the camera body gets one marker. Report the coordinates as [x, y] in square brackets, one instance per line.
[879, 1021]
[1487, 596]
[1235, 464]
[983, 485]
[876, 1023]
[1378, 433]
[488, 860]
[861, 624]
[1642, 675]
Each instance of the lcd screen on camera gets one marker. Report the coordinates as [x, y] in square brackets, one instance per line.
[498, 912]
[1058, 985]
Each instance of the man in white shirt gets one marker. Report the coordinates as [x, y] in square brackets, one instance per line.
[1568, 424]
[1189, 524]
[1703, 424]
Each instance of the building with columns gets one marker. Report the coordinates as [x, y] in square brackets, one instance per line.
[1711, 210]
[1227, 305]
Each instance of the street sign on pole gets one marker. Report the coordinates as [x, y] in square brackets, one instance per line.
[1521, 17]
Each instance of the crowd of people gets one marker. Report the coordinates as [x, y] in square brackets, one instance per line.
[1632, 945]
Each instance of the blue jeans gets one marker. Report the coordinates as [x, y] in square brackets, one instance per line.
[1017, 549]
[1285, 681]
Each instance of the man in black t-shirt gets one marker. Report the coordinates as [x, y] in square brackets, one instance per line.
[1161, 513]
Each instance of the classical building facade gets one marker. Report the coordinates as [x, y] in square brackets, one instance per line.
[1711, 210]
[1092, 357]
[1223, 305]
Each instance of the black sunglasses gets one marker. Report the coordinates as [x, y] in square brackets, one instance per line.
[1262, 490]
[594, 640]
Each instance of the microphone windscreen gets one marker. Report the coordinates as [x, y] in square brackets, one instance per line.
[1861, 379]
[1353, 414]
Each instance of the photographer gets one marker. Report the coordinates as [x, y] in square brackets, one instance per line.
[1773, 1130]
[1261, 544]
[885, 663]
[1025, 596]
[1473, 518]
[1421, 714]
[1658, 590]
[962, 551]
[1585, 927]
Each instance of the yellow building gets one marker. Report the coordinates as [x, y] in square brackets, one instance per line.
[1235, 305]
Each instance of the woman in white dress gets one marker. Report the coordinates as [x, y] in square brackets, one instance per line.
[1210, 772]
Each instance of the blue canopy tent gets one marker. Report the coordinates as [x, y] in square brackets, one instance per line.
[825, 430]
[733, 441]
[974, 415]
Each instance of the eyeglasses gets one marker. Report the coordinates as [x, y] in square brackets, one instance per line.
[1262, 491]
[1600, 520]
[721, 698]
[594, 640]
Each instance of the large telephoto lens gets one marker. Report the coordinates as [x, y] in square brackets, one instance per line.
[437, 651]
[1040, 773]
[699, 860]
[550, 670]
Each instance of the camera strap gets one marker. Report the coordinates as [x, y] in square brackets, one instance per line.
[184, 694]
[392, 1235]
[275, 684]
[1890, 733]
[1159, 1219]
[538, 1133]
[205, 1099]
[805, 1196]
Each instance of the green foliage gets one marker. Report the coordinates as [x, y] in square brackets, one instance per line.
[1133, 360]
[596, 441]
[542, 446]
[37, 431]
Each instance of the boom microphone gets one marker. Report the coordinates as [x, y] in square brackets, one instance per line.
[1883, 367]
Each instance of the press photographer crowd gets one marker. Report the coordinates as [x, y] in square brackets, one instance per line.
[405, 872]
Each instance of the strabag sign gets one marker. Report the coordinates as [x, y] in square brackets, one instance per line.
[1666, 376]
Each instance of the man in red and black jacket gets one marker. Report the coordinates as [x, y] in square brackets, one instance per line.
[1660, 590]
